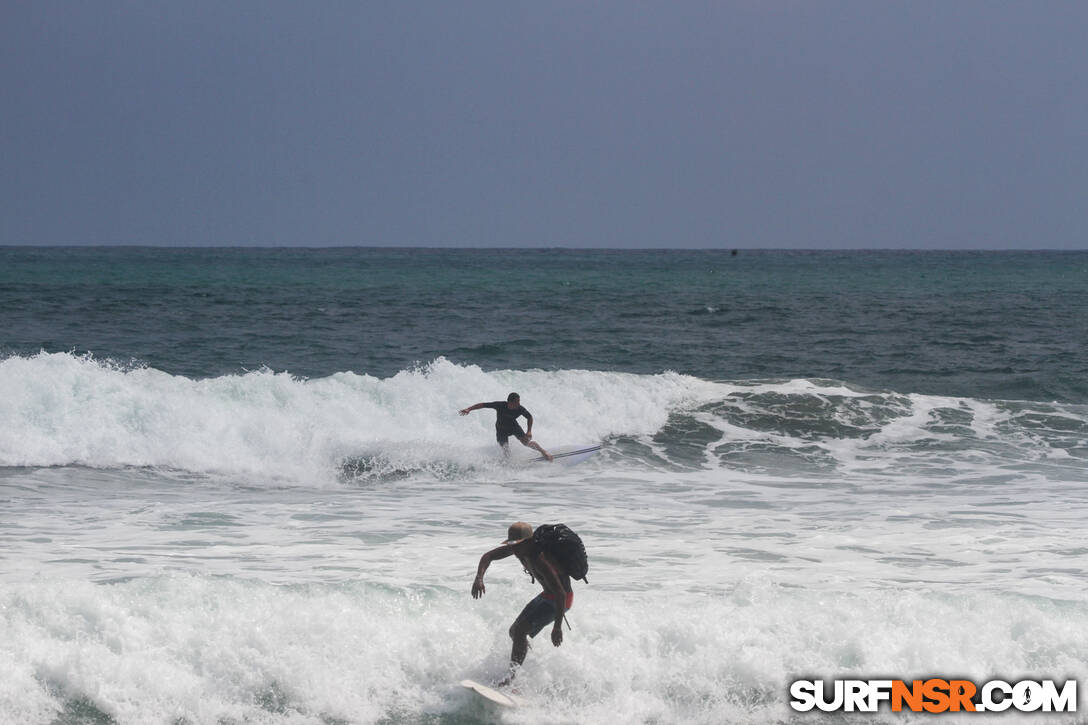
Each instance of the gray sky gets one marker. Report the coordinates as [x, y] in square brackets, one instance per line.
[869, 124]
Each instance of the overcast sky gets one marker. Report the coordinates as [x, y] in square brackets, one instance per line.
[606, 123]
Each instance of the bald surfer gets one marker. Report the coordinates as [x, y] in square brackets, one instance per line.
[506, 423]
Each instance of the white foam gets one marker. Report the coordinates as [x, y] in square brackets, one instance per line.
[61, 409]
[199, 649]
[711, 586]
[266, 427]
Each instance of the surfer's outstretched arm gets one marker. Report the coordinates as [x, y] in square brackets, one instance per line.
[469, 409]
[485, 561]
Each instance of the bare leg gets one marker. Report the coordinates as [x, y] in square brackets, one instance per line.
[520, 648]
[536, 446]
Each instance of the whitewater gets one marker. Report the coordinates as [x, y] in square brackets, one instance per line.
[262, 547]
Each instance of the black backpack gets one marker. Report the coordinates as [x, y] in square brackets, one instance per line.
[565, 547]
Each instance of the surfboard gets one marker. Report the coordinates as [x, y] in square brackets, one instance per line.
[491, 695]
[569, 455]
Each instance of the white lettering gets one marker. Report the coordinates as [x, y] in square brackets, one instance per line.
[1065, 701]
[989, 703]
[1027, 696]
[803, 693]
[879, 691]
[821, 699]
[856, 695]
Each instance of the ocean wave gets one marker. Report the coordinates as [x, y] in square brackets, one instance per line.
[60, 409]
[188, 648]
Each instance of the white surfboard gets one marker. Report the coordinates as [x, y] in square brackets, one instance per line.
[570, 455]
[491, 695]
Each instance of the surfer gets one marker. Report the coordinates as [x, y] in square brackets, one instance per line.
[554, 580]
[506, 423]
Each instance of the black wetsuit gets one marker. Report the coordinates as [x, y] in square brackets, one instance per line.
[506, 420]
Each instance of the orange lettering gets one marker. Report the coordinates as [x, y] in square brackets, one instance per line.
[936, 691]
[961, 693]
[911, 695]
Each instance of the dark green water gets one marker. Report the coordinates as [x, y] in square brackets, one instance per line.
[1007, 325]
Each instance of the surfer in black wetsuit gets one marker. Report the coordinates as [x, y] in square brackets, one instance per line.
[506, 423]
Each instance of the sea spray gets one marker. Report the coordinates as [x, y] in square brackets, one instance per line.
[62, 409]
[191, 550]
[200, 649]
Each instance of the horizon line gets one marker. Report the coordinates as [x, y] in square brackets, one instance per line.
[738, 249]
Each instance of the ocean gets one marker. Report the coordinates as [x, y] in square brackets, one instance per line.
[235, 486]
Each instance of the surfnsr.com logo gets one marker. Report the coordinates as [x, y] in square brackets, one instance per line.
[934, 695]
